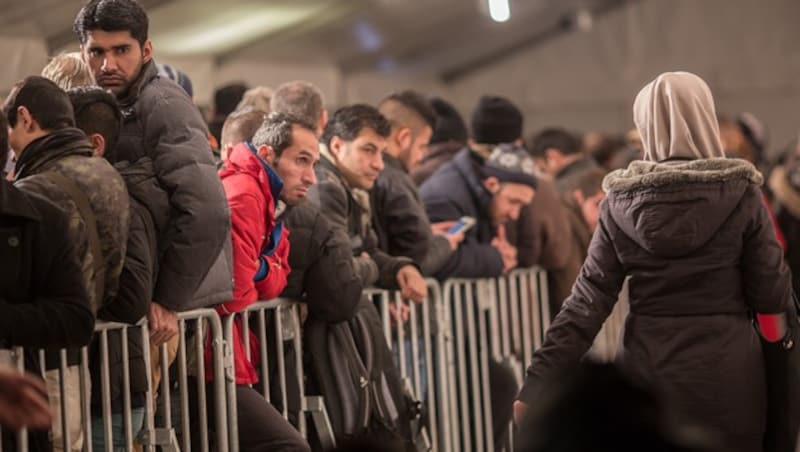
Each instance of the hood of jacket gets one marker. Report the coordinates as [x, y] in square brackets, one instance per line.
[673, 208]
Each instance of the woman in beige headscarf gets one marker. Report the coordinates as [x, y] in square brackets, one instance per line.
[689, 230]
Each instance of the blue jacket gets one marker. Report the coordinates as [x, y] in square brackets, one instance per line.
[454, 191]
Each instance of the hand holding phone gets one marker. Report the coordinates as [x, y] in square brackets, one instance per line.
[463, 225]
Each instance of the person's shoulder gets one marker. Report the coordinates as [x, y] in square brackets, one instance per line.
[162, 95]
[52, 217]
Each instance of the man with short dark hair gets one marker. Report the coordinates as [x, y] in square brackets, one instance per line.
[161, 122]
[54, 160]
[260, 254]
[449, 136]
[97, 114]
[352, 160]
[559, 153]
[43, 298]
[398, 215]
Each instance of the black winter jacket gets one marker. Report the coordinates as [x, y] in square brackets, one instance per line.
[700, 252]
[400, 220]
[323, 271]
[149, 215]
[43, 300]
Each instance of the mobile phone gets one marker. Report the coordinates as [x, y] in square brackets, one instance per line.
[464, 224]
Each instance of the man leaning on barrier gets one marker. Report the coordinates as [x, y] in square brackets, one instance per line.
[43, 299]
[354, 140]
[257, 196]
[97, 114]
[323, 268]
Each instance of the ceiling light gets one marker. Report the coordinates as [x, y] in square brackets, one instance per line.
[499, 10]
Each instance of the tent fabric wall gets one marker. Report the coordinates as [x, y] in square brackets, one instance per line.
[748, 51]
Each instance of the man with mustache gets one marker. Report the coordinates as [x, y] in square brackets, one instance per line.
[257, 196]
[161, 122]
[352, 159]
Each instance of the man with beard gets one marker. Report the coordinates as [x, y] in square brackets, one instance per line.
[161, 122]
[398, 214]
[257, 196]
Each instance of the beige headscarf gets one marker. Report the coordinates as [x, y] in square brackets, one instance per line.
[676, 118]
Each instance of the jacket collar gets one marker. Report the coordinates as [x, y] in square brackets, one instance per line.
[243, 158]
[15, 203]
[54, 146]
[327, 163]
[148, 73]
[445, 149]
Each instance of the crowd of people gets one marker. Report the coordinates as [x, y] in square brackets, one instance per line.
[122, 202]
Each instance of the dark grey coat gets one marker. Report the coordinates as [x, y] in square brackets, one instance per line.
[400, 220]
[698, 246]
[161, 122]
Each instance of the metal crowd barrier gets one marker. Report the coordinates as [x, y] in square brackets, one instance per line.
[443, 351]
[418, 345]
[195, 329]
[468, 310]
[285, 322]
[16, 356]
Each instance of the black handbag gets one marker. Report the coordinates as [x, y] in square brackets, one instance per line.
[782, 366]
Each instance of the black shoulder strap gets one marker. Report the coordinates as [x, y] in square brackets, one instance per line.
[82, 202]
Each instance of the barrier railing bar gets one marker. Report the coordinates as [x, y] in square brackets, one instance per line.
[183, 385]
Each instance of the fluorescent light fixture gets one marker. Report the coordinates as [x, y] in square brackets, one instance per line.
[215, 33]
[499, 10]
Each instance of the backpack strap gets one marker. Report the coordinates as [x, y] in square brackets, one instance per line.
[84, 208]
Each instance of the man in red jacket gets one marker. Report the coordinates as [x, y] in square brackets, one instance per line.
[256, 196]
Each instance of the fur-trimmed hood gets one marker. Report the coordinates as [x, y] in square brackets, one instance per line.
[673, 208]
[641, 175]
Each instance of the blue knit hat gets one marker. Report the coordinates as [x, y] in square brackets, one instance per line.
[176, 76]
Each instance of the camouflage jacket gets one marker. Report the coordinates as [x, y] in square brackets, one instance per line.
[68, 152]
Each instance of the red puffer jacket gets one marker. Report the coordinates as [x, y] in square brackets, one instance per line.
[260, 247]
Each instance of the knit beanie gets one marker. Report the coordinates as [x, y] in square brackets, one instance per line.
[496, 120]
[510, 163]
[450, 125]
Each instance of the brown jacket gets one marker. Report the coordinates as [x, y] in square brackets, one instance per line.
[561, 280]
[696, 242]
[542, 232]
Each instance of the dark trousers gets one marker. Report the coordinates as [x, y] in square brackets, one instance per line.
[261, 426]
